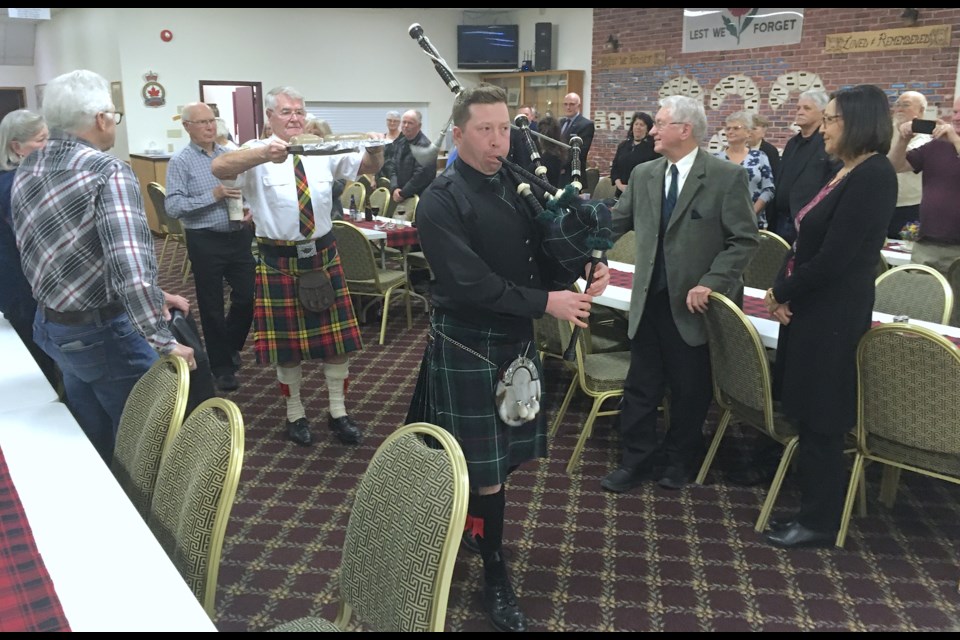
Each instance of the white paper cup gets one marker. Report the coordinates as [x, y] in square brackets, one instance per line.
[235, 209]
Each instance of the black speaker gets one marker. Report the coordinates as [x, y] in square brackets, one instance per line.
[543, 43]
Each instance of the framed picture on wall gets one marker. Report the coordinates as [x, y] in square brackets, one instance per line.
[513, 97]
[116, 92]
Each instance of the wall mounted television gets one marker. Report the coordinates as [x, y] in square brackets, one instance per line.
[488, 46]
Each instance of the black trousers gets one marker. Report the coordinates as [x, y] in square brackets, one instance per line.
[660, 359]
[219, 257]
[820, 463]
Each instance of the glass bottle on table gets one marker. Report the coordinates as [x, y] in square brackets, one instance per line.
[354, 214]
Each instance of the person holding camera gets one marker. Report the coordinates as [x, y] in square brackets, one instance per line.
[910, 106]
[939, 242]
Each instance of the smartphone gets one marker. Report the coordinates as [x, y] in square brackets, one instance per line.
[923, 126]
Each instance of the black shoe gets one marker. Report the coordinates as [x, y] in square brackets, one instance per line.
[779, 524]
[501, 606]
[796, 535]
[227, 382]
[623, 480]
[469, 542]
[299, 432]
[346, 429]
[747, 477]
[675, 477]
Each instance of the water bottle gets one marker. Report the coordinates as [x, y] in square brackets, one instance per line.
[354, 215]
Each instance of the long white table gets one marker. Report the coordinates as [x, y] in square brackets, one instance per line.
[769, 329]
[895, 258]
[109, 571]
[22, 384]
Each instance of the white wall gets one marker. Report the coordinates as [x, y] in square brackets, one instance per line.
[330, 55]
[18, 76]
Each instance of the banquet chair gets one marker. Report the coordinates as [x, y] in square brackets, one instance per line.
[170, 227]
[762, 270]
[151, 416]
[599, 375]
[953, 277]
[407, 209]
[591, 177]
[402, 537]
[604, 189]
[908, 402]
[379, 198]
[383, 183]
[369, 184]
[917, 291]
[359, 193]
[624, 249]
[194, 495]
[742, 388]
[364, 275]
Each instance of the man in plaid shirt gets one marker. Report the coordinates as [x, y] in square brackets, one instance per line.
[88, 254]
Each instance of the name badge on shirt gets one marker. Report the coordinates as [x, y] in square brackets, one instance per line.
[307, 250]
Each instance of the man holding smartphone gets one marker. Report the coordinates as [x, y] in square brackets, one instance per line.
[909, 107]
[939, 242]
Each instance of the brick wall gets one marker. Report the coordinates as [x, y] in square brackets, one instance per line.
[930, 71]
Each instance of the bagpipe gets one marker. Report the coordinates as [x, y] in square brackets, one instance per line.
[574, 231]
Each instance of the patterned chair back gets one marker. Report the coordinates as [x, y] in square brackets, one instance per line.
[404, 531]
[359, 193]
[917, 291]
[356, 253]
[158, 195]
[766, 262]
[151, 416]
[604, 189]
[624, 249]
[196, 486]
[953, 277]
[908, 379]
[379, 199]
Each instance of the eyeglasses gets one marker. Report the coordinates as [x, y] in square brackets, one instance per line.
[736, 127]
[660, 124]
[117, 116]
[902, 105]
[831, 119]
[288, 113]
[202, 123]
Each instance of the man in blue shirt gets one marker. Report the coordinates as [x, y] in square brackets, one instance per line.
[219, 247]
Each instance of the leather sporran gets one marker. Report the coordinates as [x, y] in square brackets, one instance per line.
[315, 291]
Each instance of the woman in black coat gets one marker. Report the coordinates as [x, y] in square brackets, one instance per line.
[636, 149]
[823, 299]
[553, 156]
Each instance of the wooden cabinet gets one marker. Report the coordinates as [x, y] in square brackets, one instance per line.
[542, 90]
[150, 169]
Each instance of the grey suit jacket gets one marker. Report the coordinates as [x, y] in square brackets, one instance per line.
[710, 239]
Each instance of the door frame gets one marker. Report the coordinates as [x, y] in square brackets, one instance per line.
[257, 97]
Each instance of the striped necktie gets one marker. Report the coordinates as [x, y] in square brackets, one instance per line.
[307, 223]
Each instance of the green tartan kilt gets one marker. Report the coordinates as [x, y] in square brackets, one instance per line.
[455, 390]
[283, 330]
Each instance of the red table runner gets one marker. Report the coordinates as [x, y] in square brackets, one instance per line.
[28, 601]
[399, 236]
[621, 278]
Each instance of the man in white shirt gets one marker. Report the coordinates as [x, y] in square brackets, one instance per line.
[909, 106]
[290, 197]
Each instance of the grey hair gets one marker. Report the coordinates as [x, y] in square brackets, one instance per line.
[922, 99]
[817, 97]
[270, 100]
[417, 114]
[689, 111]
[72, 100]
[393, 115]
[222, 131]
[744, 117]
[17, 126]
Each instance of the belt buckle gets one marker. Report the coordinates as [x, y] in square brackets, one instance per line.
[307, 250]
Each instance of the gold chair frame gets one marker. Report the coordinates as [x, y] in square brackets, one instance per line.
[933, 273]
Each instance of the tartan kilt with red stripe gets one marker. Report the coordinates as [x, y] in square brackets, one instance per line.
[286, 332]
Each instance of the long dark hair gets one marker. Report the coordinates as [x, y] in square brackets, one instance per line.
[647, 120]
[549, 126]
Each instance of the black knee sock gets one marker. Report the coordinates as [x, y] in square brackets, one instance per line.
[486, 522]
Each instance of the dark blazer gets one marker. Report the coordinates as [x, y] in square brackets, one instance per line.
[710, 239]
[831, 294]
[628, 156]
[403, 171]
[773, 155]
[804, 168]
[583, 127]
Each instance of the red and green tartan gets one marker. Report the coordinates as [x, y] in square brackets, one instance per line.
[283, 330]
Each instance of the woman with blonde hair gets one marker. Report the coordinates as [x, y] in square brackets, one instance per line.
[21, 133]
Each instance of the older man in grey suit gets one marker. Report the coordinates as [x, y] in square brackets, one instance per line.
[695, 233]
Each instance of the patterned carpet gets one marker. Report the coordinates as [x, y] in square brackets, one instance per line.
[582, 559]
